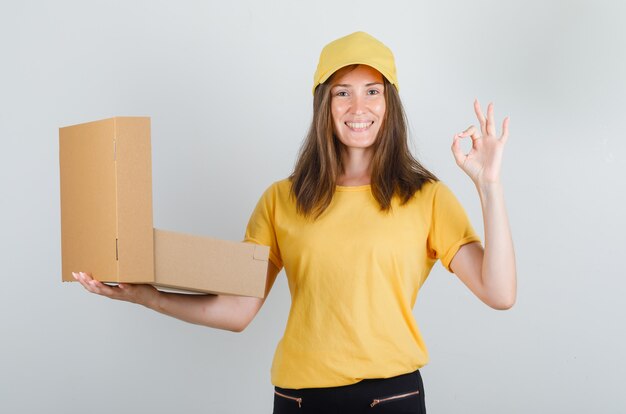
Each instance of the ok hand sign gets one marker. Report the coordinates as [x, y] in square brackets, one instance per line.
[484, 160]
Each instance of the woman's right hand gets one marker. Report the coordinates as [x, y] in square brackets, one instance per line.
[228, 312]
[136, 293]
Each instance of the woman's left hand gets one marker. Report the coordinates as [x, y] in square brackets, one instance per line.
[484, 160]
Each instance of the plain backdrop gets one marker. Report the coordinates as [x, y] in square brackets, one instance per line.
[228, 88]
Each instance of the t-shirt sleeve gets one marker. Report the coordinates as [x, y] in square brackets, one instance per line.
[261, 229]
[450, 227]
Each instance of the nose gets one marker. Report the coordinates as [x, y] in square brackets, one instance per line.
[358, 104]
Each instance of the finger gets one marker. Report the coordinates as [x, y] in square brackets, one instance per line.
[95, 286]
[82, 280]
[505, 130]
[457, 151]
[104, 289]
[471, 132]
[86, 281]
[480, 116]
[491, 125]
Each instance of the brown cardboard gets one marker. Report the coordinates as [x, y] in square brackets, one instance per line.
[209, 265]
[106, 219]
[106, 200]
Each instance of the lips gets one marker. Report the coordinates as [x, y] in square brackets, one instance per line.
[359, 126]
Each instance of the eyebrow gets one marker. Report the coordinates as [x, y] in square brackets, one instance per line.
[345, 85]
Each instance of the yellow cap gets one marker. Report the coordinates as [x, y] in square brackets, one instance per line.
[356, 48]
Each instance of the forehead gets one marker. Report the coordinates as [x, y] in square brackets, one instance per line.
[355, 74]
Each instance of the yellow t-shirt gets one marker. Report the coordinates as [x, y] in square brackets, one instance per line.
[354, 275]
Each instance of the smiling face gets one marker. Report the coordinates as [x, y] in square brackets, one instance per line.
[357, 105]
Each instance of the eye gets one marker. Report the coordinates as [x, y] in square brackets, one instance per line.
[373, 92]
[341, 93]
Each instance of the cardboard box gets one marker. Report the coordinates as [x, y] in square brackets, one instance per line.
[106, 219]
[209, 265]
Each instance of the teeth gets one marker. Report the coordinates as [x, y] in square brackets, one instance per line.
[358, 125]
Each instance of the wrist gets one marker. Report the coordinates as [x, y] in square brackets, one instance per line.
[153, 300]
[488, 188]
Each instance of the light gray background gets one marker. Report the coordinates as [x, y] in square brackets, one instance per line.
[227, 85]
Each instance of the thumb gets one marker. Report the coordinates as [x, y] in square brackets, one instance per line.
[457, 151]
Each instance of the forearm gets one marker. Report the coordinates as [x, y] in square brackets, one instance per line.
[499, 278]
[215, 311]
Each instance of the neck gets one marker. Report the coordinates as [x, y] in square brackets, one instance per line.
[356, 167]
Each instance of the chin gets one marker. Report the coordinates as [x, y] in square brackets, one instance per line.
[357, 143]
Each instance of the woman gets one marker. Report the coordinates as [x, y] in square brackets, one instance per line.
[357, 226]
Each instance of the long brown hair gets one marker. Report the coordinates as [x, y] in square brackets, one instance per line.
[394, 169]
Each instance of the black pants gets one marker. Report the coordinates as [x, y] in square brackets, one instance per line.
[401, 394]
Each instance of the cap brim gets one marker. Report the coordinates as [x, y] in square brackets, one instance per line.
[331, 71]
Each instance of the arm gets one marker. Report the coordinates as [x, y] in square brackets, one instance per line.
[490, 273]
[226, 312]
